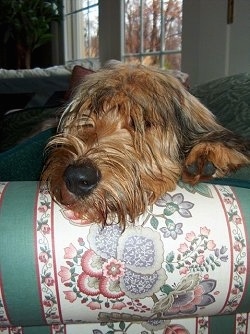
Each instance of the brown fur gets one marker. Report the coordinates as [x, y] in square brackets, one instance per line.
[142, 130]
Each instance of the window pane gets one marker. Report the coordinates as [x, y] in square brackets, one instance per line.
[90, 26]
[152, 30]
[81, 29]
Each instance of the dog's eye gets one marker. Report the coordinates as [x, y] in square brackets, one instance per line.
[88, 125]
[147, 124]
[87, 122]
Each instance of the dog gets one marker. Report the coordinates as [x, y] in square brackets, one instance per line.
[126, 138]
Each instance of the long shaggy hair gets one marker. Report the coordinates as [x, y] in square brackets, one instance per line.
[126, 138]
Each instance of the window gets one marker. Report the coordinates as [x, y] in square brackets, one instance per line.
[150, 31]
[81, 29]
[153, 32]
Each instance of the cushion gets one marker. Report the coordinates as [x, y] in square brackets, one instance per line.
[24, 162]
[78, 73]
[32, 91]
[229, 99]
[19, 125]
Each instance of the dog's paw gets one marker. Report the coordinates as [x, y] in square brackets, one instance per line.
[209, 160]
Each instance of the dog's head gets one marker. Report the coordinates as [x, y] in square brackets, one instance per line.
[121, 143]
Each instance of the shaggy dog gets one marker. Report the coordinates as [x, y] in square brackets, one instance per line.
[126, 138]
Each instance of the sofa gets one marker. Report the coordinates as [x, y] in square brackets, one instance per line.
[182, 268]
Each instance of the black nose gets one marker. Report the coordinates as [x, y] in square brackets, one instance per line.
[81, 179]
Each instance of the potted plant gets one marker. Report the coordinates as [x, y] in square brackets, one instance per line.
[28, 23]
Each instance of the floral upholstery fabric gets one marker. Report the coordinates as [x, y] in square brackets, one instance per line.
[183, 263]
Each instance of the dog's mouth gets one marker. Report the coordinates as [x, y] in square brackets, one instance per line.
[83, 189]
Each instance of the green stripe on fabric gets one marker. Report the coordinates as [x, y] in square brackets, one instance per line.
[17, 254]
[222, 324]
[37, 330]
[243, 196]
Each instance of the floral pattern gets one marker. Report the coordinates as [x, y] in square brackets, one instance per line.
[45, 258]
[133, 272]
[117, 265]
[168, 265]
[239, 252]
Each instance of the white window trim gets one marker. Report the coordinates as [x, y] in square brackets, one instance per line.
[73, 35]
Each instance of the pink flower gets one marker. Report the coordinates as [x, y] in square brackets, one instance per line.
[228, 200]
[203, 322]
[211, 245]
[113, 269]
[70, 252]
[88, 285]
[118, 306]
[100, 276]
[184, 270]
[237, 219]
[81, 241]
[238, 246]
[70, 296]
[235, 291]
[48, 303]
[183, 248]
[200, 259]
[49, 281]
[176, 329]
[65, 274]
[94, 305]
[44, 257]
[92, 263]
[45, 229]
[241, 269]
[110, 289]
[43, 208]
[190, 236]
[204, 231]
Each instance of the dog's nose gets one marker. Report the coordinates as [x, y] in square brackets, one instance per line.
[81, 179]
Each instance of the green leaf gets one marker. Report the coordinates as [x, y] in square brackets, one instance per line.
[122, 325]
[169, 267]
[200, 188]
[217, 263]
[170, 209]
[170, 257]
[154, 222]
[166, 289]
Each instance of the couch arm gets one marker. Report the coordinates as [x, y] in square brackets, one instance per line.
[187, 256]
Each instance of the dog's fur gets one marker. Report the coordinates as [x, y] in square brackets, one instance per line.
[140, 131]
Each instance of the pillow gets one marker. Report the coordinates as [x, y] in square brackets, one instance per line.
[78, 73]
[21, 124]
[24, 162]
[10, 101]
[229, 99]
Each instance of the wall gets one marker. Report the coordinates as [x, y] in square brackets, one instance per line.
[211, 47]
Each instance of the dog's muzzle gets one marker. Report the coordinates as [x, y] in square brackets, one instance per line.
[81, 179]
